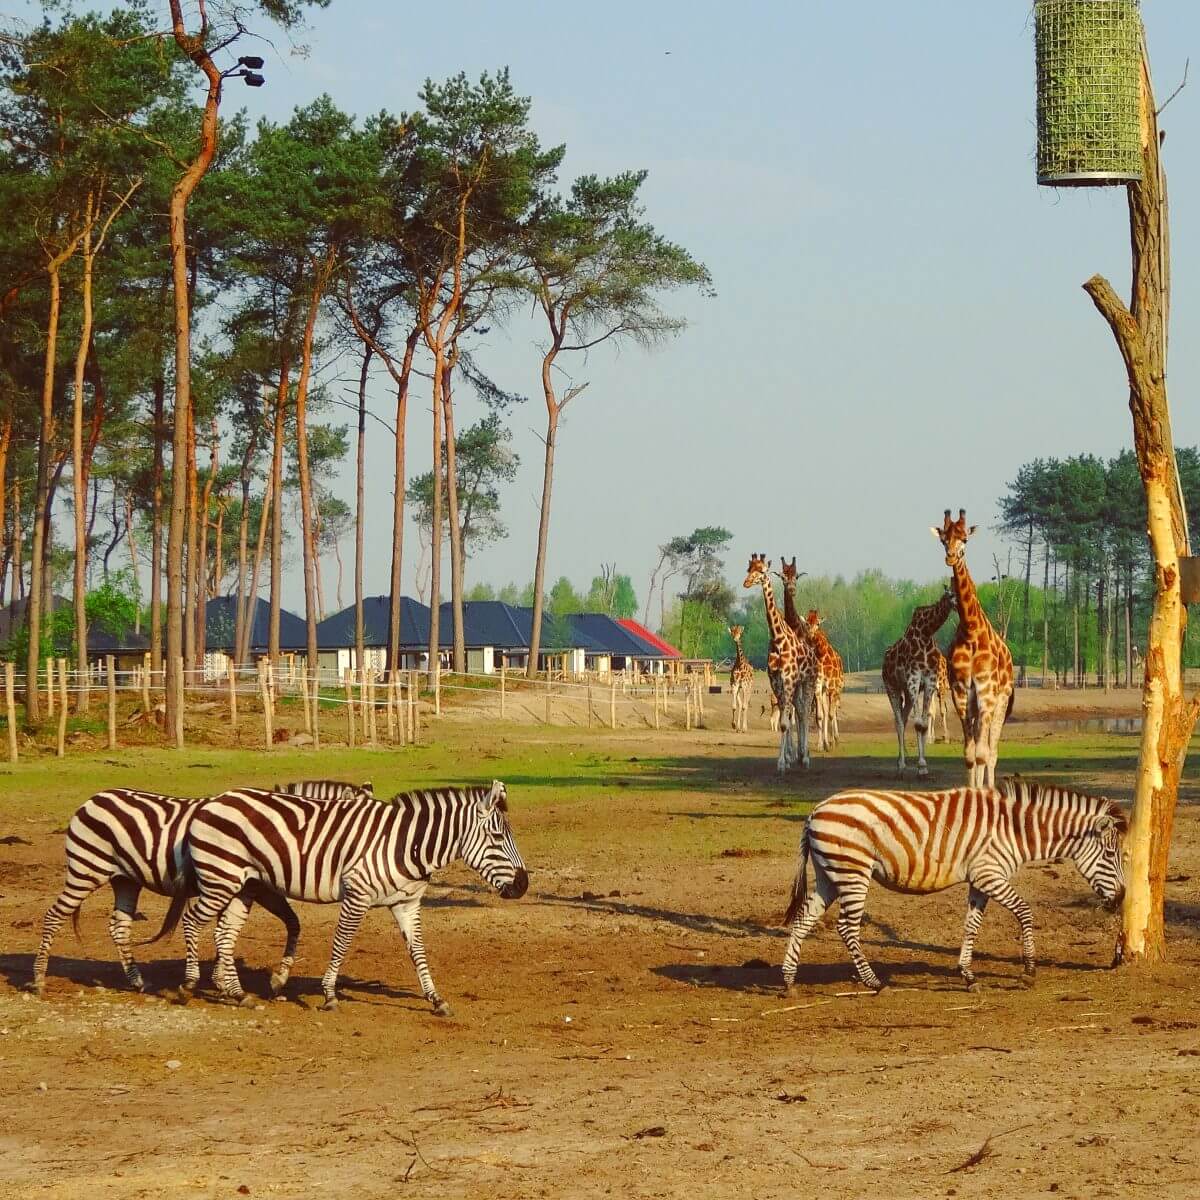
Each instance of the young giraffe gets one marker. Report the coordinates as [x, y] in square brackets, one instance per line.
[835, 672]
[981, 666]
[801, 629]
[741, 681]
[941, 700]
[791, 667]
[910, 674]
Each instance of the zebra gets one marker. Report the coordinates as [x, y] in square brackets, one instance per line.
[322, 789]
[355, 853]
[922, 842]
[132, 839]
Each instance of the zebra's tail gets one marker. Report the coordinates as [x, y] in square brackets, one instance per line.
[185, 889]
[800, 883]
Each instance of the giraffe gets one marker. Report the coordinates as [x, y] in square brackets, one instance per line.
[941, 700]
[832, 666]
[741, 681]
[980, 667]
[911, 669]
[801, 629]
[791, 667]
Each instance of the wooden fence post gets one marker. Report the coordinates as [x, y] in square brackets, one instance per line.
[265, 691]
[10, 709]
[612, 705]
[687, 708]
[110, 671]
[146, 682]
[316, 702]
[62, 708]
[389, 697]
[414, 711]
[231, 676]
[589, 704]
[437, 689]
[372, 715]
[49, 687]
[348, 688]
[503, 681]
[656, 715]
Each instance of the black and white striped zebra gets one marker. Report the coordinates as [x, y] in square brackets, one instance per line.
[132, 840]
[924, 842]
[322, 789]
[359, 854]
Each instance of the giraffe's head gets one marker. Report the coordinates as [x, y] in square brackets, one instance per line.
[789, 574]
[756, 572]
[735, 632]
[814, 620]
[953, 536]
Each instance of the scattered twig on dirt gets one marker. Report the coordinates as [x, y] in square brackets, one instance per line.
[818, 1165]
[993, 1049]
[411, 1142]
[770, 1012]
[1068, 1028]
[651, 1131]
[872, 995]
[730, 1020]
[986, 1151]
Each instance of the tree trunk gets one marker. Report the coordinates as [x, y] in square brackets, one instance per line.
[156, 529]
[398, 492]
[360, 509]
[41, 499]
[251, 607]
[1167, 718]
[5, 441]
[456, 544]
[277, 515]
[1025, 607]
[435, 524]
[133, 561]
[194, 47]
[192, 561]
[202, 560]
[79, 481]
[1046, 616]
[553, 410]
[1129, 627]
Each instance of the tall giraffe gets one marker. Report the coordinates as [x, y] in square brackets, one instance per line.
[833, 668]
[981, 665]
[910, 674]
[791, 667]
[801, 629]
[741, 681]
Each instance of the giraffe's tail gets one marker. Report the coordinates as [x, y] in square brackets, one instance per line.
[1012, 699]
[800, 883]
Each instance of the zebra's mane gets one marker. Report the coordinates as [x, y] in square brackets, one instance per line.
[469, 793]
[1014, 787]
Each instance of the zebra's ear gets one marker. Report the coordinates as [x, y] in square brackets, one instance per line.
[497, 798]
[1109, 821]
[349, 792]
[367, 787]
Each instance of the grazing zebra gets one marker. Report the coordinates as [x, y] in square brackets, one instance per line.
[356, 853]
[132, 840]
[923, 842]
[322, 789]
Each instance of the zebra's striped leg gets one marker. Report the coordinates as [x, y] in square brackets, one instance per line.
[976, 904]
[191, 961]
[999, 889]
[76, 890]
[850, 911]
[229, 925]
[819, 899]
[353, 908]
[408, 917]
[120, 924]
[274, 903]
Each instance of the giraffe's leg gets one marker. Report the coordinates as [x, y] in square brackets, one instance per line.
[784, 709]
[852, 900]
[801, 702]
[921, 722]
[819, 899]
[976, 903]
[971, 748]
[900, 715]
[120, 923]
[999, 714]
[994, 883]
[353, 908]
[408, 918]
[833, 716]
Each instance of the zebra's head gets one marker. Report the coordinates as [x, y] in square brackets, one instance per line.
[1099, 853]
[488, 843]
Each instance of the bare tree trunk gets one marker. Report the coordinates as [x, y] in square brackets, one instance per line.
[398, 493]
[251, 607]
[192, 562]
[202, 558]
[1167, 717]
[1046, 616]
[156, 527]
[133, 560]
[360, 509]
[435, 525]
[539, 567]
[277, 515]
[456, 546]
[194, 46]
[5, 440]
[1129, 627]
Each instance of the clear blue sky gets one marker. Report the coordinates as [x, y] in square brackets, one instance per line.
[899, 321]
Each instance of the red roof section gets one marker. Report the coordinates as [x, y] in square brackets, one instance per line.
[637, 628]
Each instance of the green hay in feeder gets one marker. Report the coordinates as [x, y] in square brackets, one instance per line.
[1088, 83]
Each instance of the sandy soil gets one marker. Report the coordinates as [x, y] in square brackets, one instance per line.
[617, 1032]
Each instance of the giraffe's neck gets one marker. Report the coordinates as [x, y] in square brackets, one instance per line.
[739, 658]
[779, 630]
[969, 611]
[927, 621]
[789, 607]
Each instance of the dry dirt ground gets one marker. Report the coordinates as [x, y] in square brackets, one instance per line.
[620, 1030]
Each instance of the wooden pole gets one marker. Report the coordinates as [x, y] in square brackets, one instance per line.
[656, 714]
[589, 704]
[49, 687]
[146, 683]
[62, 708]
[305, 710]
[10, 710]
[503, 681]
[111, 672]
[612, 705]
[547, 701]
[348, 686]
[372, 730]
[437, 690]
[390, 696]
[316, 703]
[231, 677]
[414, 711]
[265, 691]
[687, 708]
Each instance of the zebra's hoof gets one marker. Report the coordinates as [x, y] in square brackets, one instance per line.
[278, 983]
[1028, 979]
[36, 988]
[330, 1005]
[441, 1009]
[183, 994]
[137, 984]
[244, 1001]
[973, 985]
